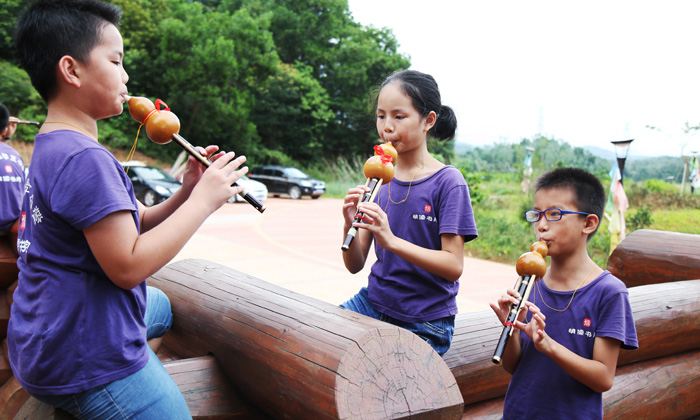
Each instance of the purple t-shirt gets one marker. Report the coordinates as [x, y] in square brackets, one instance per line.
[11, 185]
[599, 309]
[435, 205]
[71, 328]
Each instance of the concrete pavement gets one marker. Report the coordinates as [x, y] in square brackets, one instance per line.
[295, 244]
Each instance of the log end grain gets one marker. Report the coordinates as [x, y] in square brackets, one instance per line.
[392, 373]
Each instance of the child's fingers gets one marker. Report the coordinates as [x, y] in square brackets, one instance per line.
[211, 149]
[509, 299]
[237, 174]
[223, 160]
[354, 195]
[498, 310]
[216, 156]
[535, 310]
[356, 192]
[207, 151]
[231, 166]
[370, 209]
[520, 325]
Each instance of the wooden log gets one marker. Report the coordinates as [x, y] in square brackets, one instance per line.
[485, 410]
[207, 392]
[667, 318]
[654, 256]
[469, 357]
[4, 316]
[12, 398]
[8, 262]
[10, 292]
[299, 358]
[5, 370]
[666, 388]
[34, 409]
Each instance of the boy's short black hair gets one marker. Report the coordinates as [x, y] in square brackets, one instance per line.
[51, 29]
[4, 117]
[589, 193]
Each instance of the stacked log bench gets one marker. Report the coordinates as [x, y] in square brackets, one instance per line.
[241, 348]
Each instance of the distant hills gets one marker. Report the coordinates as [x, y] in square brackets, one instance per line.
[462, 147]
[610, 154]
[492, 158]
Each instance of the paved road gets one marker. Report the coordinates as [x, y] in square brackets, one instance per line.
[296, 244]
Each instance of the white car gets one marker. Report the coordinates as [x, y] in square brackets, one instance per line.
[252, 187]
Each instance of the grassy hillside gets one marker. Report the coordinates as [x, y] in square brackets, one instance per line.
[504, 235]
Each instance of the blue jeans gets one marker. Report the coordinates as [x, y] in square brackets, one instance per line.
[149, 394]
[438, 333]
[158, 316]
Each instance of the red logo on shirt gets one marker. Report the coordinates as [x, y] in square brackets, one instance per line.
[586, 322]
[22, 220]
[428, 208]
[8, 169]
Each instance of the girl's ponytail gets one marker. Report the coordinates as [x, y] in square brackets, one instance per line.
[445, 125]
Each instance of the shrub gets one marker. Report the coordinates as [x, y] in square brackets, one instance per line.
[641, 219]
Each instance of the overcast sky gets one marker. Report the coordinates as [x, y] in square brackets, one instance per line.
[583, 72]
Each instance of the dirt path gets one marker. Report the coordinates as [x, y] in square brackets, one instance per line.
[296, 244]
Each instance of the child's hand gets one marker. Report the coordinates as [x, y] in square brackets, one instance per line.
[376, 221]
[215, 186]
[502, 306]
[194, 169]
[535, 329]
[350, 203]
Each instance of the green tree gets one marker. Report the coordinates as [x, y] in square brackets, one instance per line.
[348, 61]
[20, 98]
[10, 10]
[221, 60]
[291, 113]
[360, 61]
[205, 64]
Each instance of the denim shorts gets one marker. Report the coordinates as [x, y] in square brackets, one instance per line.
[149, 394]
[438, 333]
[158, 316]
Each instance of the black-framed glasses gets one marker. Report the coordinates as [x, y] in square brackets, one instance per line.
[552, 214]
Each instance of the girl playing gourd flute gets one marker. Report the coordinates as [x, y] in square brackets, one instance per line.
[418, 222]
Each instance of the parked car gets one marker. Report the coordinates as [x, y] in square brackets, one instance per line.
[288, 180]
[252, 187]
[152, 185]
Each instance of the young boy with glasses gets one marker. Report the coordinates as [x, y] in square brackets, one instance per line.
[579, 315]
